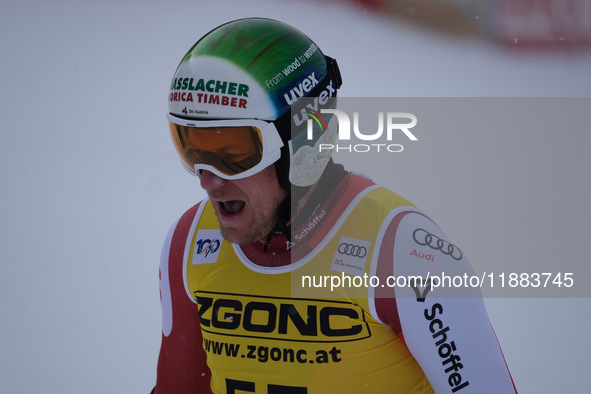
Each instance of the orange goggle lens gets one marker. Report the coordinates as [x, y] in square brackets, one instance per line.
[231, 150]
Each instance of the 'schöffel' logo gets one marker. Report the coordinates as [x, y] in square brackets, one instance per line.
[425, 238]
[352, 250]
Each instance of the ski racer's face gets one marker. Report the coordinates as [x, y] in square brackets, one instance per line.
[246, 208]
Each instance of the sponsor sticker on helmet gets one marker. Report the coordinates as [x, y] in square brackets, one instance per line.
[351, 256]
[219, 89]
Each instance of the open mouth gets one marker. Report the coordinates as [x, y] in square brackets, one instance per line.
[231, 208]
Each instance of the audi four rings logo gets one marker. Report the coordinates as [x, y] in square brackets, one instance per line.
[423, 237]
[352, 250]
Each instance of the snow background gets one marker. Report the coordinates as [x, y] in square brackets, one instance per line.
[91, 182]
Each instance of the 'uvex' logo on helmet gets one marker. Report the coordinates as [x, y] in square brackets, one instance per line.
[301, 89]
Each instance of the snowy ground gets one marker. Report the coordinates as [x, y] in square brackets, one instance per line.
[91, 183]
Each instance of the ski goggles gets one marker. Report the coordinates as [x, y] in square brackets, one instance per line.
[231, 149]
